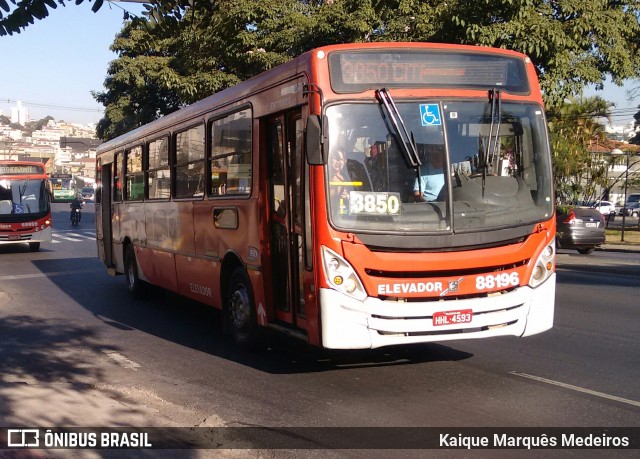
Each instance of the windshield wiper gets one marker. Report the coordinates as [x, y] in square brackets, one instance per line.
[405, 140]
[492, 147]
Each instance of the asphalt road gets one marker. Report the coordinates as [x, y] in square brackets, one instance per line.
[76, 350]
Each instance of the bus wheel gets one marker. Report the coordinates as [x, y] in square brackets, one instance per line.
[240, 314]
[134, 284]
[34, 246]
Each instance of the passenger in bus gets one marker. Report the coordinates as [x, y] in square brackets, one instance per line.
[431, 180]
[338, 188]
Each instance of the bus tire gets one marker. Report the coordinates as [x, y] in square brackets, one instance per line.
[239, 311]
[34, 246]
[134, 284]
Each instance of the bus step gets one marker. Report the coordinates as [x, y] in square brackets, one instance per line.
[296, 333]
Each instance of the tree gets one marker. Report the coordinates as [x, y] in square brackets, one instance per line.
[185, 50]
[164, 65]
[32, 126]
[574, 130]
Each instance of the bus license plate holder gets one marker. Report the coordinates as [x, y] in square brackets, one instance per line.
[14, 237]
[462, 316]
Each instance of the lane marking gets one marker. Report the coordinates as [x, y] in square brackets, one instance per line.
[84, 236]
[71, 236]
[122, 360]
[577, 388]
[72, 239]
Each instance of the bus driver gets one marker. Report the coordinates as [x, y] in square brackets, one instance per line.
[431, 180]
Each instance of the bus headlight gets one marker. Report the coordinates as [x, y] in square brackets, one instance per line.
[544, 266]
[341, 276]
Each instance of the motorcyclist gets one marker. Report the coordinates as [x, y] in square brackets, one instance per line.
[76, 204]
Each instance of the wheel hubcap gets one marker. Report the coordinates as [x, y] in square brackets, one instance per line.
[239, 307]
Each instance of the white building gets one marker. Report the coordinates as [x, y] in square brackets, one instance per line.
[6, 131]
[622, 132]
[19, 114]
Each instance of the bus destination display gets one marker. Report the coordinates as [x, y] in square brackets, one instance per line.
[20, 169]
[359, 71]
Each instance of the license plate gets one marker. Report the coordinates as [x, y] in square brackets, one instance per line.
[592, 225]
[463, 316]
[14, 237]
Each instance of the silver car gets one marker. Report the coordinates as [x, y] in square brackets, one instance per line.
[580, 228]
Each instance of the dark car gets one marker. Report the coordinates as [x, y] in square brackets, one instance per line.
[88, 194]
[631, 209]
[580, 228]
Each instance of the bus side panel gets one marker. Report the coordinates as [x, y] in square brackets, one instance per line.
[206, 238]
[157, 259]
[185, 243]
[131, 224]
[158, 267]
[197, 279]
[222, 227]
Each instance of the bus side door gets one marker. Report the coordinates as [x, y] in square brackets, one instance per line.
[284, 153]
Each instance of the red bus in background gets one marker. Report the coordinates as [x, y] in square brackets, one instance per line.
[358, 196]
[25, 211]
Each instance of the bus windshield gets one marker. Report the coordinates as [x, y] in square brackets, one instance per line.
[480, 165]
[23, 198]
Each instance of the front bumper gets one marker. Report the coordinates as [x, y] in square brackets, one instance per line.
[351, 324]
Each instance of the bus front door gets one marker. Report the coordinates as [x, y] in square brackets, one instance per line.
[284, 153]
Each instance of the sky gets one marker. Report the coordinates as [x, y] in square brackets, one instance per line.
[59, 60]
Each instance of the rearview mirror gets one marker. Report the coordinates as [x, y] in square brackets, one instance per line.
[314, 141]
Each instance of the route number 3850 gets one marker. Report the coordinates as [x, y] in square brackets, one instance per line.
[374, 203]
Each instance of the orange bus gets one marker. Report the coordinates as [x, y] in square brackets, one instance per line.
[358, 196]
[25, 210]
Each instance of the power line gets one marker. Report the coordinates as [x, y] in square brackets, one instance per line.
[52, 106]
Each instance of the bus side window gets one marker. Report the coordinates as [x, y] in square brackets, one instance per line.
[158, 177]
[189, 169]
[230, 165]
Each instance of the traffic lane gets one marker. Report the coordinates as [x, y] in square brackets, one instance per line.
[621, 263]
[176, 345]
[475, 383]
[60, 216]
[593, 344]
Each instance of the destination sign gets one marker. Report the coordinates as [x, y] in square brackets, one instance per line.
[20, 169]
[353, 71]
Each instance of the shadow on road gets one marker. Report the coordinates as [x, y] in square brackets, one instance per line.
[55, 361]
[197, 326]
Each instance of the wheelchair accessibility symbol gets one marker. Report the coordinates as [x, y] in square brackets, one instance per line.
[430, 115]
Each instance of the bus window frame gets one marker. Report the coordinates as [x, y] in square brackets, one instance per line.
[148, 169]
[175, 164]
[210, 157]
[138, 173]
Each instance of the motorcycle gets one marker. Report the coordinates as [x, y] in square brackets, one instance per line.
[75, 217]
